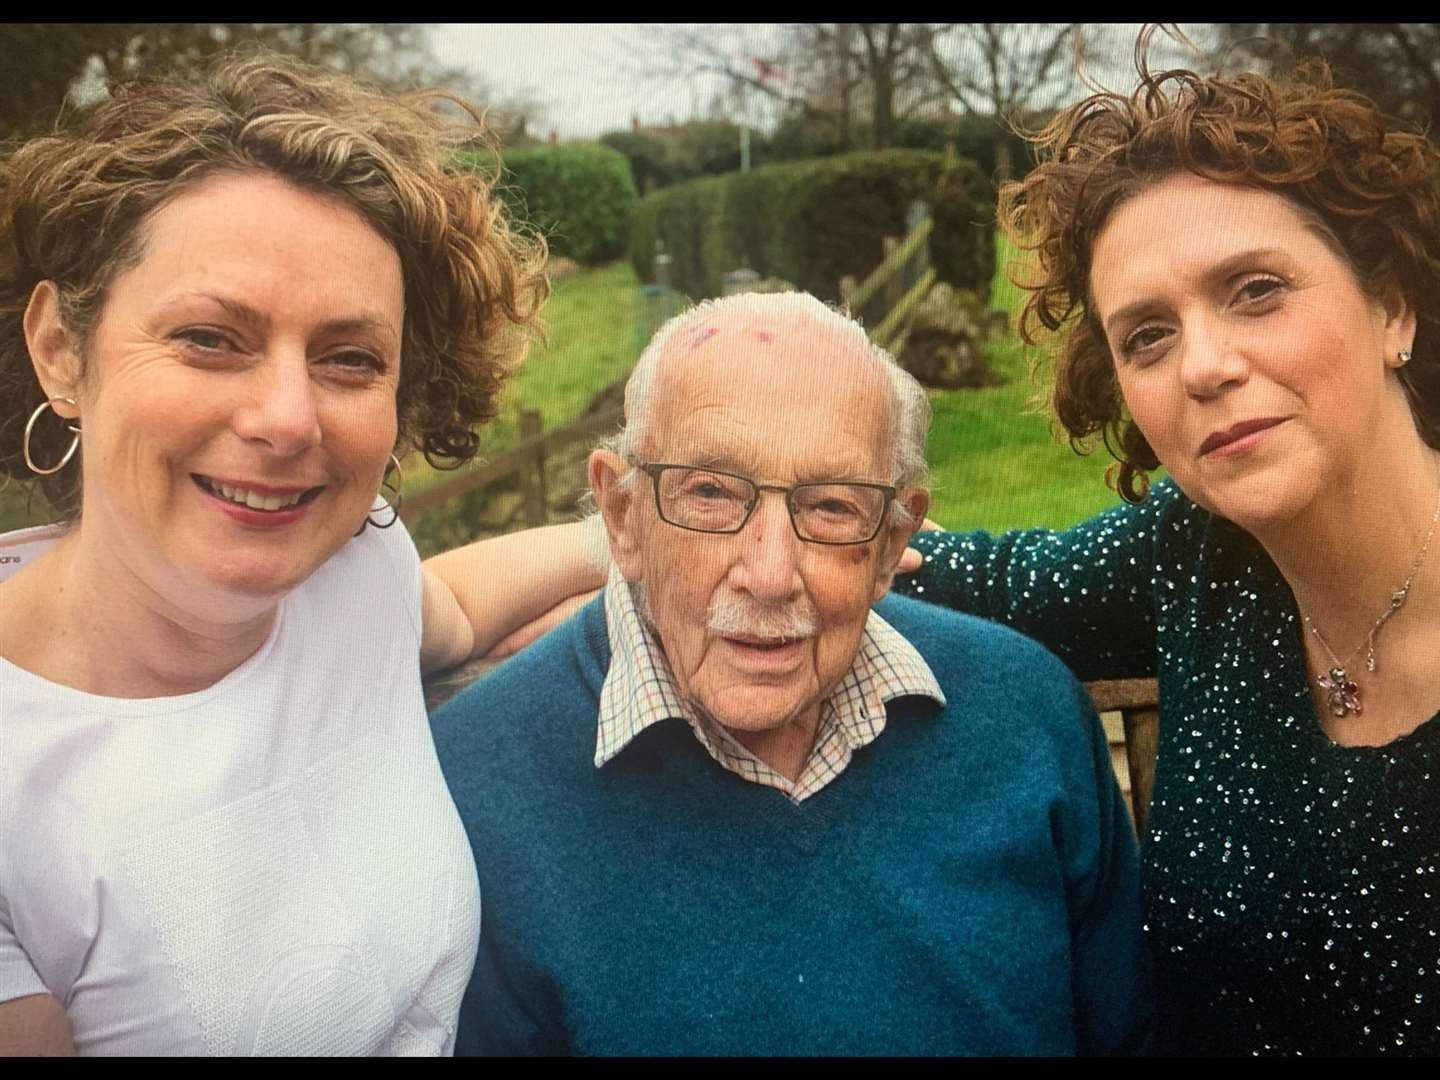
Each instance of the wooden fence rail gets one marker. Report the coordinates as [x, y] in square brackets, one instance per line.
[525, 459]
[900, 282]
[894, 262]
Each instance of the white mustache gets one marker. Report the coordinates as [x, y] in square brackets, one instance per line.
[737, 616]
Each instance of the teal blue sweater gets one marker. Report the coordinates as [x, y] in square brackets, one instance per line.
[967, 885]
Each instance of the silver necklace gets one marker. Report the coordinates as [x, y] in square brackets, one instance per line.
[1342, 694]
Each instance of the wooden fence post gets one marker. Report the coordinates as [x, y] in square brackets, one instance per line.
[919, 261]
[532, 479]
[893, 288]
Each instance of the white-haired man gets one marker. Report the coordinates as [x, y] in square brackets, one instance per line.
[736, 807]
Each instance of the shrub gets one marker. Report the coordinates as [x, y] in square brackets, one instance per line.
[982, 139]
[814, 222]
[798, 137]
[581, 196]
[670, 155]
[649, 162]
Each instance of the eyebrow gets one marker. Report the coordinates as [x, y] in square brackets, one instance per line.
[807, 473]
[253, 316]
[723, 460]
[1226, 268]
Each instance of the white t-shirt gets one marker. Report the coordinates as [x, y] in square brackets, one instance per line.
[272, 865]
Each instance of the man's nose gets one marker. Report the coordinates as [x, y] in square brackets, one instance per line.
[279, 406]
[769, 563]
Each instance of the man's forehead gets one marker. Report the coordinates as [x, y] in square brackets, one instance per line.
[739, 354]
[750, 452]
[783, 331]
[807, 403]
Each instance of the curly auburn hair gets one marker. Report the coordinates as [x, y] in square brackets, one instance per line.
[73, 204]
[1368, 183]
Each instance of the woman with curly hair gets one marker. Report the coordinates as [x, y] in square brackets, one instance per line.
[226, 305]
[1241, 279]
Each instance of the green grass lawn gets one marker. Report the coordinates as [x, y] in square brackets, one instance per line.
[995, 461]
[995, 465]
[590, 319]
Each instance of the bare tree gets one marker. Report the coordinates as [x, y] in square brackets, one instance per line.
[44, 63]
[877, 74]
[1395, 64]
[1004, 70]
[837, 72]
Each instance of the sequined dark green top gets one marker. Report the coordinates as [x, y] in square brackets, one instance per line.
[1292, 892]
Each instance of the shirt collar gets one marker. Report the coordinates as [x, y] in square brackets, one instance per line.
[640, 687]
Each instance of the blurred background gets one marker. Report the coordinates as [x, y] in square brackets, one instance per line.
[669, 163]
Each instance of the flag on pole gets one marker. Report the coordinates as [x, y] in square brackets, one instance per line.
[765, 71]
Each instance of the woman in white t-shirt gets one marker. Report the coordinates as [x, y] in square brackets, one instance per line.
[226, 304]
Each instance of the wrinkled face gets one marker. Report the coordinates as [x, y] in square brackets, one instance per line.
[759, 626]
[239, 405]
[1255, 365]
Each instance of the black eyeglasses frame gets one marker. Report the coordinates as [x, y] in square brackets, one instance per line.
[653, 470]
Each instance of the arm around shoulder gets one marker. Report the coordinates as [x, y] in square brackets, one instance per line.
[1087, 593]
[476, 595]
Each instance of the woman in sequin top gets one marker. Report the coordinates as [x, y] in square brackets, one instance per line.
[1244, 278]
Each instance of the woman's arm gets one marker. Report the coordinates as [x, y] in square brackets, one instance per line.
[1087, 593]
[479, 594]
[34, 1026]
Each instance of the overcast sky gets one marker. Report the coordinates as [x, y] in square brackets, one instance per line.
[587, 75]
[579, 71]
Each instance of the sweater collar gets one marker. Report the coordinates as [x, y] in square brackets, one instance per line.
[640, 688]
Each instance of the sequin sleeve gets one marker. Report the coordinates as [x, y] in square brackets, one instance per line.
[1087, 593]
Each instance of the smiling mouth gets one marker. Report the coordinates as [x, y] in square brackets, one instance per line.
[253, 500]
[1221, 439]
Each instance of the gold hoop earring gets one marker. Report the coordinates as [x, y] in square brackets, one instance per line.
[30, 427]
[399, 490]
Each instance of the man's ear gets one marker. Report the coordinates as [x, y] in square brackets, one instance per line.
[896, 535]
[616, 501]
[56, 360]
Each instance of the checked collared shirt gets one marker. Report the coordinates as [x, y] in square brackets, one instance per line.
[640, 690]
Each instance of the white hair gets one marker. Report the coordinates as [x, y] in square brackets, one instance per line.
[910, 411]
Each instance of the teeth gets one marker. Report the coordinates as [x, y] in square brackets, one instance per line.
[253, 499]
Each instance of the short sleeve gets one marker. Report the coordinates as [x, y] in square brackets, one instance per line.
[401, 574]
[18, 977]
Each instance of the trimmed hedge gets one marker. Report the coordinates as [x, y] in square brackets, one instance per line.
[814, 222]
[581, 196]
[979, 138]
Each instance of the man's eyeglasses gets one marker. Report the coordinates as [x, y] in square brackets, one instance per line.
[711, 501]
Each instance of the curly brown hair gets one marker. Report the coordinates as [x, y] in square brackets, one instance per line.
[1367, 182]
[73, 204]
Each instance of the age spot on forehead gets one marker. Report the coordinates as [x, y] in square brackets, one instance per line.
[702, 334]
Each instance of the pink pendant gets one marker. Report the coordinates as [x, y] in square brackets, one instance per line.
[1342, 695]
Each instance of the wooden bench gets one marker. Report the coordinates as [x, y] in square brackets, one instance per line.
[1130, 710]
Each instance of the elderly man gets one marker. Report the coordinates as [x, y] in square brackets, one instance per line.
[731, 807]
